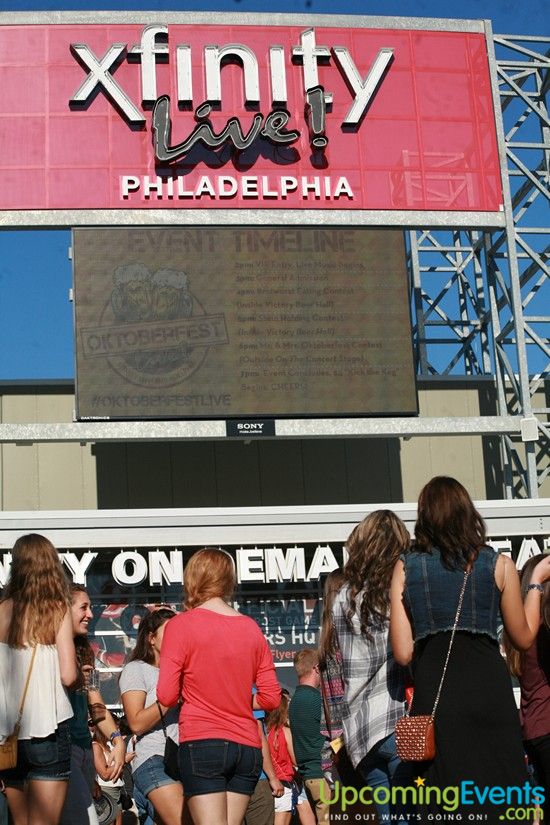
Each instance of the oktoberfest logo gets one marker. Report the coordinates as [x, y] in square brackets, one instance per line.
[153, 331]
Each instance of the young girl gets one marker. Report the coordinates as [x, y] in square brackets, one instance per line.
[85, 698]
[279, 740]
[111, 790]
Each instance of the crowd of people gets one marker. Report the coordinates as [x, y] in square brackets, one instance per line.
[409, 627]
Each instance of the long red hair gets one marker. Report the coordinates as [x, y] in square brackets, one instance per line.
[209, 573]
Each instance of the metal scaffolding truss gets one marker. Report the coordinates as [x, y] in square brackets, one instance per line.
[481, 299]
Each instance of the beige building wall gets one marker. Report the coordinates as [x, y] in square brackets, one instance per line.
[59, 476]
[459, 456]
[45, 476]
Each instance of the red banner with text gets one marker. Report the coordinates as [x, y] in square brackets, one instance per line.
[244, 116]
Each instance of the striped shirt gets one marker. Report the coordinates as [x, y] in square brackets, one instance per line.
[304, 716]
[374, 697]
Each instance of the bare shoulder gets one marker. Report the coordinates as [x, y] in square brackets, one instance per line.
[503, 567]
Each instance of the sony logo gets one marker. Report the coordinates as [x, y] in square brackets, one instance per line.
[154, 47]
[248, 427]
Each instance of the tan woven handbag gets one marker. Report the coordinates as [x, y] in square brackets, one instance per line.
[415, 735]
[8, 748]
[8, 751]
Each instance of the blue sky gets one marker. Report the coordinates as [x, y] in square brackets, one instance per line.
[524, 16]
[36, 324]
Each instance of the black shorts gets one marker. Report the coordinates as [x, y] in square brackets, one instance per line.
[217, 765]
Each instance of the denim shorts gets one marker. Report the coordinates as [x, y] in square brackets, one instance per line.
[151, 775]
[47, 758]
[216, 765]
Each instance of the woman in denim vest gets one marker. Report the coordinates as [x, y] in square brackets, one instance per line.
[477, 731]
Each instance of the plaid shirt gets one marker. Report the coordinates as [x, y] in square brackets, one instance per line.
[374, 696]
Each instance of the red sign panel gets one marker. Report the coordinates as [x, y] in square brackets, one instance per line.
[245, 117]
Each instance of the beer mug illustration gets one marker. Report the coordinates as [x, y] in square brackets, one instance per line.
[132, 297]
[171, 300]
[171, 297]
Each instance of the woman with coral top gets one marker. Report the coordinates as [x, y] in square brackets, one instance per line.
[211, 657]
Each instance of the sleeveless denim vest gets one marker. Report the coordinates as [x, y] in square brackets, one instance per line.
[431, 594]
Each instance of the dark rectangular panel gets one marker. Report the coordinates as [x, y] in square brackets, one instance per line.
[242, 322]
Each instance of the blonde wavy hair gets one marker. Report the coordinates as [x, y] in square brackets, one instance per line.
[209, 573]
[39, 591]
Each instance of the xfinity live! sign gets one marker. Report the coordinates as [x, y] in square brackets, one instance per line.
[273, 127]
[219, 113]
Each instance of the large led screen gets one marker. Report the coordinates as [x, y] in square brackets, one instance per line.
[242, 321]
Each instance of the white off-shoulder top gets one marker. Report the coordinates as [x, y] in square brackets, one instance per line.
[46, 704]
